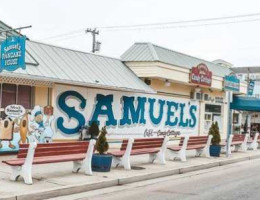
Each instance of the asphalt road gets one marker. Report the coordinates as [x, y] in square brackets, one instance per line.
[230, 182]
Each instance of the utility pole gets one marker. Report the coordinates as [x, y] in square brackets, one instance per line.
[95, 44]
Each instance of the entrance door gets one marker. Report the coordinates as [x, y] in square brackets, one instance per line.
[217, 118]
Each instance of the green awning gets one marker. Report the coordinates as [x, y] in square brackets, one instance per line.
[245, 104]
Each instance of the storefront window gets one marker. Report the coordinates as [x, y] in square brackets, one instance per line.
[8, 95]
[13, 94]
[24, 96]
[235, 118]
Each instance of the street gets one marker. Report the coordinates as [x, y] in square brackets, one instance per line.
[235, 181]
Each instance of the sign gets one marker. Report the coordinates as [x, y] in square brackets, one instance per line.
[231, 83]
[201, 75]
[14, 111]
[219, 100]
[250, 89]
[124, 114]
[13, 53]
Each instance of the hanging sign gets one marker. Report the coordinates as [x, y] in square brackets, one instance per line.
[250, 89]
[201, 75]
[14, 110]
[231, 83]
[13, 53]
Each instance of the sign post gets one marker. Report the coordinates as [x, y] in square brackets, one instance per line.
[231, 84]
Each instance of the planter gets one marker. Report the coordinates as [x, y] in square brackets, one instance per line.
[214, 150]
[101, 163]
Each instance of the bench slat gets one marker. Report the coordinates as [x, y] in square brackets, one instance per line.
[143, 143]
[55, 144]
[47, 159]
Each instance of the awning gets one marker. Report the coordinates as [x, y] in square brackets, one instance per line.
[245, 104]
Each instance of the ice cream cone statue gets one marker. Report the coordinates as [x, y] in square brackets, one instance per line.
[24, 128]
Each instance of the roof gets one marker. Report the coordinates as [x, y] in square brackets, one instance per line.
[61, 65]
[143, 52]
[4, 27]
[222, 62]
[245, 70]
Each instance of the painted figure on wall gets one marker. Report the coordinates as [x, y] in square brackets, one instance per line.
[6, 132]
[28, 126]
[41, 124]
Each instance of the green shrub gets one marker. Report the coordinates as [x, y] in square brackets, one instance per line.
[94, 130]
[102, 144]
[214, 131]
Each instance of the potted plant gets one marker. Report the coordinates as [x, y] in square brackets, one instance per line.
[215, 148]
[101, 162]
[93, 130]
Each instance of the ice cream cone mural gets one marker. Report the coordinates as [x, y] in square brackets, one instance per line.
[21, 126]
[24, 128]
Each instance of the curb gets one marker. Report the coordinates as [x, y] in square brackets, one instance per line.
[73, 189]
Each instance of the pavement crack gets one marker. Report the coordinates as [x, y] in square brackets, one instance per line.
[55, 183]
[175, 192]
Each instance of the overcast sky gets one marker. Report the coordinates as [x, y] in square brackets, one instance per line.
[237, 43]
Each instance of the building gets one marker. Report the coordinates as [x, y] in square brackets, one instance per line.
[151, 91]
[246, 74]
[169, 73]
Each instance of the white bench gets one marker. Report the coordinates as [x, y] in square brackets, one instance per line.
[253, 144]
[235, 143]
[199, 143]
[155, 147]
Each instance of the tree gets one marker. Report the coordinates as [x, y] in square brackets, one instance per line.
[94, 130]
[102, 144]
[214, 131]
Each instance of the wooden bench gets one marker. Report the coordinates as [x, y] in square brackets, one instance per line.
[155, 147]
[80, 153]
[253, 142]
[236, 142]
[199, 143]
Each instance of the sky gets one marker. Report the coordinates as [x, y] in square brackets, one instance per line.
[237, 43]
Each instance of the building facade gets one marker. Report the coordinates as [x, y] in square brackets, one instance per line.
[150, 92]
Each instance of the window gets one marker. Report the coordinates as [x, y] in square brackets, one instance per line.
[208, 117]
[13, 94]
[235, 118]
[212, 108]
[24, 96]
[8, 95]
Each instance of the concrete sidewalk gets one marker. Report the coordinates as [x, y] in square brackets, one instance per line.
[52, 180]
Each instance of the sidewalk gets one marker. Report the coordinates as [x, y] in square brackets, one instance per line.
[53, 180]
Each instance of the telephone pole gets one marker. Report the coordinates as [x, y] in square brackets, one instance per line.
[95, 44]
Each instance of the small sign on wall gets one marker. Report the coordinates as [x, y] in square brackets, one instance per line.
[201, 75]
[231, 83]
[14, 110]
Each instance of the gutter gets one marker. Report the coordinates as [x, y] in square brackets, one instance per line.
[77, 83]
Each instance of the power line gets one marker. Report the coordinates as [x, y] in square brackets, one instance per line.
[165, 25]
[185, 26]
[180, 22]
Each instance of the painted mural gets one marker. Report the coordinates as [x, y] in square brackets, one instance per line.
[124, 114]
[22, 126]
